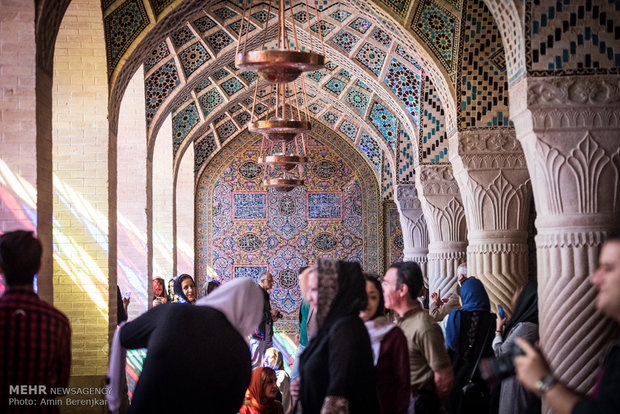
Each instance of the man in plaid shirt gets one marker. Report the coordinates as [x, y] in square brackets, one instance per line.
[35, 338]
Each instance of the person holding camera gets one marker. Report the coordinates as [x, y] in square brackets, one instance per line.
[514, 398]
[262, 338]
[534, 372]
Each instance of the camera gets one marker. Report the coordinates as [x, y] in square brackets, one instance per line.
[279, 315]
[494, 370]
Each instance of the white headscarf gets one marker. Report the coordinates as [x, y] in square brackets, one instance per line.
[241, 300]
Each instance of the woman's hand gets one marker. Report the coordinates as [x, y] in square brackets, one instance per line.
[294, 389]
[500, 322]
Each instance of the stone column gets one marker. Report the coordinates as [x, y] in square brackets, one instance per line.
[443, 211]
[415, 234]
[490, 169]
[570, 133]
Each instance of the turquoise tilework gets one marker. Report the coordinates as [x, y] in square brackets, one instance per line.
[193, 57]
[182, 123]
[406, 86]
[372, 57]
[385, 122]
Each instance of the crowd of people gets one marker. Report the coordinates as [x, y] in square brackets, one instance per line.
[367, 344]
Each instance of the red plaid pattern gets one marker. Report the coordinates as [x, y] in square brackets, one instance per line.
[35, 349]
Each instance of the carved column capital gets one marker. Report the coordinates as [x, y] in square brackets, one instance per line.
[486, 149]
[413, 224]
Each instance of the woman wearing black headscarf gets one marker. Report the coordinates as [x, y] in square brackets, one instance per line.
[514, 398]
[337, 372]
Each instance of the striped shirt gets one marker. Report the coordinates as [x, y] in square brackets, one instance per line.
[35, 351]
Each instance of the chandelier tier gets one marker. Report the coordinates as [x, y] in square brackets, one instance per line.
[283, 148]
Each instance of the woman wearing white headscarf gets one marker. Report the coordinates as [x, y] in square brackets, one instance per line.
[198, 354]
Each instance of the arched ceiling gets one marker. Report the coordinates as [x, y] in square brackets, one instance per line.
[392, 80]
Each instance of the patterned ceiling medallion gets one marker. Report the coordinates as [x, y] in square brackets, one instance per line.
[249, 242]
[250, 170]
[288, 278]
[287, 206]
[324, 242]
[324, 169]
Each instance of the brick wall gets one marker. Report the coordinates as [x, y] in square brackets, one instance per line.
[184, 189]
[132, 268]
[80, 164]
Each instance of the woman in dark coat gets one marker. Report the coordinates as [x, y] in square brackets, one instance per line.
[337, 373]
[199, 354]
[469, 333]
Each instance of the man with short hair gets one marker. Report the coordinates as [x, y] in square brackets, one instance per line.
[263, 336]
[429, 363]
[441, 307]
[35, 338]
[533, 370]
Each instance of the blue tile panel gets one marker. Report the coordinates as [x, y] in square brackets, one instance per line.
[324, 206]
[385, 122]
[248, 206]
[182, 123]
[158, 87]
[193, 57]
[405, 84]
[371, 150]
[372, 57]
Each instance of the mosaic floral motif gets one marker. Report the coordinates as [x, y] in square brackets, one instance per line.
[217, 237]
[231, 86]
[349, 129]
[357, 99]
[406, 85]
[326, 28]
[250, 170]
[261, 16]
[302, 17]
[249, 77]
[220, 74]
[158, 86]
[260, 109]
[193, 57]
[288, 278]
[371, 149]
[330, 66]
[340, 15]
[287, 205]
[180, 102]
[243, 118]
[324, 169]
[385, 122]
[407, 57]
[345, 40]
[335, 86]
[225, 130]
[224, 13]
[121, 28]
[220, 118]
[210, 100]
[204, 84]
[361, 25]
[218, 41]
[203, 149]
[287, 212]
[156, 56]
[249, 242]
[315, 108]
[236, 26]
[399, 7]
[181, 36]
[204, 24]
[182, 124]
[330, 117]
[382, 37]
[438, 26]
[317, 75]
[344, 74]
[372, 57]
[324, 242]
